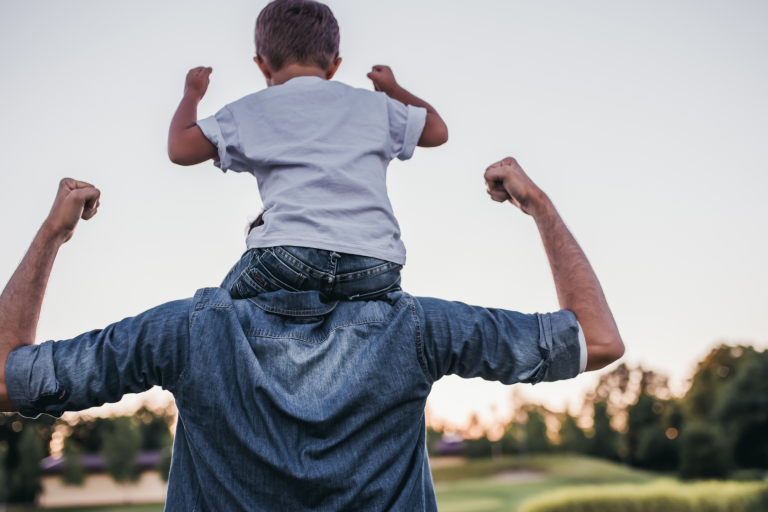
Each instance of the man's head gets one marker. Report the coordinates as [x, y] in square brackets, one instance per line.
[296, 32]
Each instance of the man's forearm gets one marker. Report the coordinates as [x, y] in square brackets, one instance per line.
[578, 289]
[22, 300]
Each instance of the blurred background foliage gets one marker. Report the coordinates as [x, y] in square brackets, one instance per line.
[118, 440]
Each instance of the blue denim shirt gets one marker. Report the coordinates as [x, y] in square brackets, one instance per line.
[288, 401]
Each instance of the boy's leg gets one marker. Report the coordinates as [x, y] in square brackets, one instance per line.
[237, 270]
[339, 276]
[364, 278]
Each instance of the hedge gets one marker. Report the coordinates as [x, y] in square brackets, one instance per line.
[663, 496]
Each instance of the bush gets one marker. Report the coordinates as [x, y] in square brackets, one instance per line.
[656, 451]
[703, 453]
[664, 496]
[478, 448]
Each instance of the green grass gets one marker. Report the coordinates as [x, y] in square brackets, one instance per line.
[662, 495]
[474, 486]
[471, 488]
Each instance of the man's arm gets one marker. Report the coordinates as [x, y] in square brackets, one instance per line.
[578, 289]
[22, 299]
[435, 131]
[187, 145]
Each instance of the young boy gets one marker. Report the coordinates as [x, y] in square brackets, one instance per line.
[319, 151]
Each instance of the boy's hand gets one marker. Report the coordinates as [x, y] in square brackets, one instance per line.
[506, 181]
[197, 82]
[383, 79]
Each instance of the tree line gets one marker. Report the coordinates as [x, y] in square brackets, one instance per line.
[718, 429]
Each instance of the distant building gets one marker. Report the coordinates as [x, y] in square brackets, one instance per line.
[450, 445]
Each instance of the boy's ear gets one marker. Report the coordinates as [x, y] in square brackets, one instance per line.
[333, 68]
[264, 67]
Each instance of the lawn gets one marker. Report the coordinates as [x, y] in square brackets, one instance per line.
[503, 484]
[497, 485]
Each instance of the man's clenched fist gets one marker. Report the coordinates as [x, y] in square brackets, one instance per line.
[75, 200]
[506, 181]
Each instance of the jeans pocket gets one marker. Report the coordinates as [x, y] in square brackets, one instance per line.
[275, 271]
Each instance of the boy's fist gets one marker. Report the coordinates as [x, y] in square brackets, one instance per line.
[383, 79]
[197, 82]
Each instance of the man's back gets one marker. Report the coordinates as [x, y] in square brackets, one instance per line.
[312, 406]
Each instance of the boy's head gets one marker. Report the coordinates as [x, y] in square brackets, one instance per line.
[297, 32]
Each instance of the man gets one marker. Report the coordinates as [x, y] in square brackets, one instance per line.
[288, 401]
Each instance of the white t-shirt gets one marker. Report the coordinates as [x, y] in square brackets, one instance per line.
[320, 151]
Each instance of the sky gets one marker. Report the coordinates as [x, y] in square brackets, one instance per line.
[645, 122]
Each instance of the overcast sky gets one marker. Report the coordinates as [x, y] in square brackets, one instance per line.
[645, 122]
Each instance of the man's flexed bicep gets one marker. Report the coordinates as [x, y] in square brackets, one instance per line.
[130, 356]
[498, 345]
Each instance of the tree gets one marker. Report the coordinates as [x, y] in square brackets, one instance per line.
[120, 449]
[605, 442]
[572, 437]
[510, 440]
[712, 379]
[164, 466]
[536, 437]
[73, 473]
[5, 490]
[25, 479]
[742, 411]
[703, 454]
[433, 437]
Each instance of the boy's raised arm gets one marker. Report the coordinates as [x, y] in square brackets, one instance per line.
[435, 131]
[187, 145]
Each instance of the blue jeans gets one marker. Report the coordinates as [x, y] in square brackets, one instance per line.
[338, 276]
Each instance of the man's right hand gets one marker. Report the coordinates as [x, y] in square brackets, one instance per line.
[197, 82]
[506, 181]
[75, 200]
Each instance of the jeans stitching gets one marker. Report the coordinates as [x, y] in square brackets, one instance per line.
[300, 265]
[299, 277]
[373, 271]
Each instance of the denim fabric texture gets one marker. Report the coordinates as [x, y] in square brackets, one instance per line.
[291, 400]
[338, 276]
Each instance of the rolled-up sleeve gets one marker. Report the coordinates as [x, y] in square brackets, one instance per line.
[406, 124]
[221, 130]
[130, 356]
[498, 345]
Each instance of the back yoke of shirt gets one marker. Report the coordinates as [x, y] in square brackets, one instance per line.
[320, 151]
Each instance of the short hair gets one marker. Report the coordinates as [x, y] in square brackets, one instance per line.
[297, 32]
